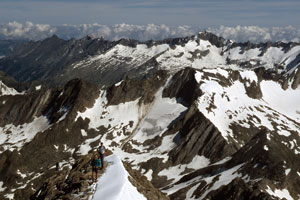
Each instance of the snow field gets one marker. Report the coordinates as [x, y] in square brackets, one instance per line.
[232, 104]
[114, 183]
[284, 193]
[14, 137]
[4, 90]
[176, 172]
[281, 100]
[224, 178]
[114, 117]
[191, 54]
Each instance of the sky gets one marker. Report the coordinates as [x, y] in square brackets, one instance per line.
[205, 13]
[151, 19]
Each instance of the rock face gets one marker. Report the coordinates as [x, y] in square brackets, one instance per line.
[183, 132]
[8, 46]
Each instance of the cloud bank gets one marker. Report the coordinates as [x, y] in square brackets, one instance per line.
[31, 31]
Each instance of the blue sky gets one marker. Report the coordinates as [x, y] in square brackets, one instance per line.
[203, 13]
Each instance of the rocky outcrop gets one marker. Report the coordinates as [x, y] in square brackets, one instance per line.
[263, 163]
[243, 163]
[183, 87]
[76, 183]
[130, 89]
[296, 78]
[22, 164]
[70, 184]
[8, 46]
[198, 136]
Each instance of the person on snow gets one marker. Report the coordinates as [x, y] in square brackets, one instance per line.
[101, 150]
[96, 164]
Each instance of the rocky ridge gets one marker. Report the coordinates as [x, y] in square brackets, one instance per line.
[55, 61]
[195, 134]
[200, 117]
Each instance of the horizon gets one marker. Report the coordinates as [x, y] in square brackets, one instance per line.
[248, 20]
[255, 34]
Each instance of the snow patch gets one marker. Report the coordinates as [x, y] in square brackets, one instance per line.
[266, 148]
[14, 137]
[4, 90]
[249, 75]
[284, 193]
[83, 132]
[224, 179]
[9, 196]
[176, 172]
[274, 96]
[119, 83]
[85, 147]
[21, 174]
[1, 186]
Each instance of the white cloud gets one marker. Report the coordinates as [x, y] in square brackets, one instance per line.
[29, 30]
[258, 34]
[26, 30]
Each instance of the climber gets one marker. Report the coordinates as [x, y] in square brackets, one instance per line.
[101, 150]
[96, 164]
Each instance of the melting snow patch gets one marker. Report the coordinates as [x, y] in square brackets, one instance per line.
[176, 172]
[114, 183]
[12, 137]
[266, 148]
[149, 174]
[287, 171]
[4, 90]
[1, 187]
[115, 116]
[68, 149]
[224, 160]
[85, 147]
[224, 179]
[22, 175]
[119, 83]
[249, 75]
[198, 76]
[10, 196]
[38, 87]
[280, 193]
[159, 117]
[284, 133]
[268, 136]
[83, 132]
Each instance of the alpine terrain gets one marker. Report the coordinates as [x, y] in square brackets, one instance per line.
[198, 117]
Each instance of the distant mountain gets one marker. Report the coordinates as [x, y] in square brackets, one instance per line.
[191, 118]
[56, 61]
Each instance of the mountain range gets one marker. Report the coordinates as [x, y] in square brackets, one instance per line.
[198, 117]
